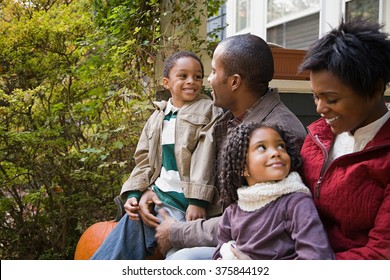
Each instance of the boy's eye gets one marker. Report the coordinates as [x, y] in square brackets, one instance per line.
[198, 77]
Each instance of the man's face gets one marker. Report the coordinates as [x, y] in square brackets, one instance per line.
[222, 94]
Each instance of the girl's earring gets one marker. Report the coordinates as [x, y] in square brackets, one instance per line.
[246, 174]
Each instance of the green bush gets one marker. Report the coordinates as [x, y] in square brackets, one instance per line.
[76, 83]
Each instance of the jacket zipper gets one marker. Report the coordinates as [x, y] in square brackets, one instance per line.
[326, 155]
[323, 169]
[317, 188]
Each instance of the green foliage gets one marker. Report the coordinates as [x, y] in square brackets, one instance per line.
[76, 83]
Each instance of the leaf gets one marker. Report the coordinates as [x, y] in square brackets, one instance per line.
[118, 145]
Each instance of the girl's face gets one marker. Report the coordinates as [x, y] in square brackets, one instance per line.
[267, 158]
[184, 81]
[341, 107]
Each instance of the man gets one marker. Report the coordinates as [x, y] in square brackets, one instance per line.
[242, 67]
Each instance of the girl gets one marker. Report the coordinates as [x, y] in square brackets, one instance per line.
[271, 214]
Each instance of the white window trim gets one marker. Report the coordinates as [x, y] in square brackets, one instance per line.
[292, 17]
[330, 12]
[257, 23]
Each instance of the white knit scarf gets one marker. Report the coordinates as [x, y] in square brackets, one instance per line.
[257, 196]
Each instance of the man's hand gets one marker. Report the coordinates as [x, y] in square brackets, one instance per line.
[162, 232]
[146, 203]
[195, 212]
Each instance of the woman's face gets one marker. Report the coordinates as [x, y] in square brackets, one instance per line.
[341, 107]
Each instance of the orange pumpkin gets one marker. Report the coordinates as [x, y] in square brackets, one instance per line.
[92, 238]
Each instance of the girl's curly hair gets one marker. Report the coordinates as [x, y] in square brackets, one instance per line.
[231, 177]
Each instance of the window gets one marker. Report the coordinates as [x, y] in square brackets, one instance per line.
[278, 9]
[293, 24]
[362, 8]
[216, 26]
[296, 34]
[243, 14]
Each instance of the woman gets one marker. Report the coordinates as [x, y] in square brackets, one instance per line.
[346, 155]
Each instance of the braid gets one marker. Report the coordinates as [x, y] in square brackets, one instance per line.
[234, 164]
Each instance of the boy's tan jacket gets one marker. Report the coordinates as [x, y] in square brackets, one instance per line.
[195, 150]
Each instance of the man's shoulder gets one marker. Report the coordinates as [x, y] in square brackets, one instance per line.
[275, 112]
[278, 113]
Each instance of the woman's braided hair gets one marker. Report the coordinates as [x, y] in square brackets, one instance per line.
[234, 159]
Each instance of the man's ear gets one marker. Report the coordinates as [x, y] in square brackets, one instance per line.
[165, 82]
[380, 88]
[236, 81]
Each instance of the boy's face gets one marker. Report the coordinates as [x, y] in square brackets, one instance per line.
[185, 81]
[342, 108]
[267, 158]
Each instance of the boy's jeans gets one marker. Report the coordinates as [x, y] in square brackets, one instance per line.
[132, 240]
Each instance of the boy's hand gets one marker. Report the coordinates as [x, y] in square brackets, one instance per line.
[143, 209]
[131, 208]
[195, 212]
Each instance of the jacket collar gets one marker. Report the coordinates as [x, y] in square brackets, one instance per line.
[261, 109]
[321, 130]
[161, 105]
[382, 137]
